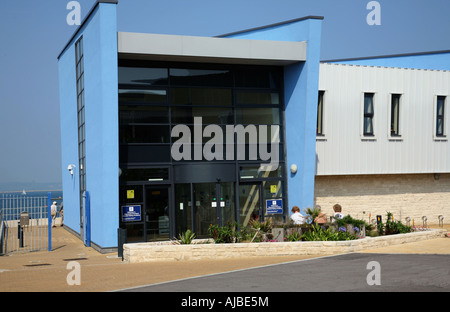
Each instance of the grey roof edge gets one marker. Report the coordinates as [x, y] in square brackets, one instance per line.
[272, 25]
[385, 56]
[84, 22]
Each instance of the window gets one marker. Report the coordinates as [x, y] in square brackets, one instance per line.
[319, 130]
[440, 116]
[79, 62]
[155, 98]
[395, 115]
[368, 114]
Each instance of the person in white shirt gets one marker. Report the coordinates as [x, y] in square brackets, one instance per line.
[53, 213]
[338, 211]
[296, 216]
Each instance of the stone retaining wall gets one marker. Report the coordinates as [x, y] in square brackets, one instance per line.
[148, 252]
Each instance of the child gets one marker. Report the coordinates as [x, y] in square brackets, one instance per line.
[337, 211]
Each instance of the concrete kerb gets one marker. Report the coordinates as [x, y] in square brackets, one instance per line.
[148, 252]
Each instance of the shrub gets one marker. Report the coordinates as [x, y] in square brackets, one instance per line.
[395, 227]
[230, 233]
[294, 237]
[319, 233]
[265, 226]
[348, 219]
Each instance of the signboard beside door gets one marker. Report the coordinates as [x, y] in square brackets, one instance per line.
[274, 206]
[131, 213]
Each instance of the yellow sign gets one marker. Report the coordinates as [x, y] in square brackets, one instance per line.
[273, 189]
[130, 194]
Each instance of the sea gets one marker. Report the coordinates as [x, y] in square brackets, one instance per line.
[33, 202]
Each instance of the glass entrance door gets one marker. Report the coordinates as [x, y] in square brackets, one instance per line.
[214, 204]
[250, 203]
[205, 211]
[157, 225]
[211, 203]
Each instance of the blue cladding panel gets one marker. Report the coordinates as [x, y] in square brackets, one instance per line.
[101, 100]
[69, 137]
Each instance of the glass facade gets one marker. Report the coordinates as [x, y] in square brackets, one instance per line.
[193, 193]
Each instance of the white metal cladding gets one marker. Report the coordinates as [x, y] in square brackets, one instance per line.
[344, 150]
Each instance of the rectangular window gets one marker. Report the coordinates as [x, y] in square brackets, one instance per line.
[368, 114]
[395, 114]
[440, 116]
[79, 63]
[319, 130]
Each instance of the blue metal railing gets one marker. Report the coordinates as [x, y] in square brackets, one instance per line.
[35, 214]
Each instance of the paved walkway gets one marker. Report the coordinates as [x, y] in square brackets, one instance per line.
[48, 271]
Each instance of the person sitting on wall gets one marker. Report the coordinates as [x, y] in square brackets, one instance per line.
[296, 216]
[338, 211]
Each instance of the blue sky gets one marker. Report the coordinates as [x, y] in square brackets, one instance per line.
[32, 33]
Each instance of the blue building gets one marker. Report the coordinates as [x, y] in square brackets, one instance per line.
[122, 95]
[158, 131]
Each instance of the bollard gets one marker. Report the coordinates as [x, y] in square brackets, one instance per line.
[441, 220]
[20, 234]
[424, 220]
[121, 239]
[408, 221]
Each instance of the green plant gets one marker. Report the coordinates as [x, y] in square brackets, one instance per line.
[349, 220]
[186, 237]
[229, 233]
[220, 234]
[313, 213]
[395, 227]
[380, 228]
[319, 233]
[265, 226]
[293, 237]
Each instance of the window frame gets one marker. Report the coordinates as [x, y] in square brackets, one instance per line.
[321, 115]
[398, 135]
[444, 118]
[81, 121]
[368, 136]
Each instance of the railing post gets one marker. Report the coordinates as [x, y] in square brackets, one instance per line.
[49, 205]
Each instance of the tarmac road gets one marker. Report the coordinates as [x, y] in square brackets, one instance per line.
[343, 273]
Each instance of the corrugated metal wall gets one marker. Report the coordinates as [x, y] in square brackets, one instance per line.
[344, 150]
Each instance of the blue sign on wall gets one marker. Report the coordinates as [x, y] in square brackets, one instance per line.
[274, 206]
[131, 213]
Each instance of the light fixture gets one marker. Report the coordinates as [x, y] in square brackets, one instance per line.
[294, 168]
[70, 168]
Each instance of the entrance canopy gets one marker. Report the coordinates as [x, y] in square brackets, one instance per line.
[212, 50]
